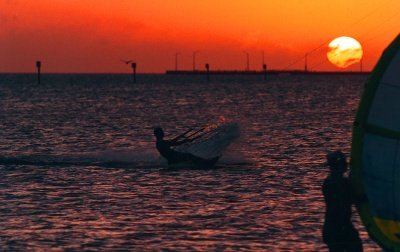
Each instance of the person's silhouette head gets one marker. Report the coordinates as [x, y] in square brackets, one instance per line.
[159, 133]
[337, 162]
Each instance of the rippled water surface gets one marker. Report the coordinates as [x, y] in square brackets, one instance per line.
[79, 169]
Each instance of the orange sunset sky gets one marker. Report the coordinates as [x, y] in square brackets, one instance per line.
[94, 35]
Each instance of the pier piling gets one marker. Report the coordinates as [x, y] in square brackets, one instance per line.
[265, 71]
[133, 65]
[38, 66]
[208, 71]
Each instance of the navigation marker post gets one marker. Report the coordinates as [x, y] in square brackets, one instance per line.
[208, 71]
[133, 65]
[265, 71]
[38, 66]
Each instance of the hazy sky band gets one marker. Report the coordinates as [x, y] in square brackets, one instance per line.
[94, 35]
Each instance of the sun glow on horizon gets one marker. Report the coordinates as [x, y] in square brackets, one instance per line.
[92, 36]
[344, 52]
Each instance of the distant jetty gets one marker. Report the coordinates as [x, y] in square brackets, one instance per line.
[270, 72]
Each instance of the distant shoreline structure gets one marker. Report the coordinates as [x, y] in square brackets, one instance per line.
[254, 72]
[211, 72]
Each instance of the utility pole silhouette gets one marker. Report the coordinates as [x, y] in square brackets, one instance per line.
[247, 61]
[176, 62]
[194, 60]
[38, 66]
[133, 65]
[305, 63]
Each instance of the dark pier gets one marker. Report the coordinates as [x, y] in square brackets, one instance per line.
[263, 72]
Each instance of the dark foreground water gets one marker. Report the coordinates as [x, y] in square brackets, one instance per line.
[79, 171]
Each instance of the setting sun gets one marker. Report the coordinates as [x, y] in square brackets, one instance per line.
[344, 51]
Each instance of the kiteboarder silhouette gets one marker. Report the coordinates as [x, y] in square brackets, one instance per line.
[338, 231]
[164, 147]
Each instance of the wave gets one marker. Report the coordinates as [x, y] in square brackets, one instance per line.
[214, 142]
[108, 159]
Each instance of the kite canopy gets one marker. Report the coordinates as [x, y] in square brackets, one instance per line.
[375, 155]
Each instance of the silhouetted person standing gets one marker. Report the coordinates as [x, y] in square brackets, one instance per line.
[338, 232]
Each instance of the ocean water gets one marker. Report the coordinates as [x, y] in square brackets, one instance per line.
[79, 169]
